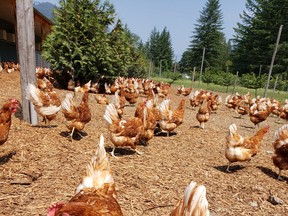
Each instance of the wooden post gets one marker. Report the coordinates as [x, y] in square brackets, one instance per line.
[235, 82]
[201, 69]
[26, 50]
[275, 84]
[193, 76]
[260, 70]
[175, 64]
[272, 61]
[150, 68]
[160, 68]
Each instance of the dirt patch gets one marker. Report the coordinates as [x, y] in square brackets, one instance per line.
[39, 166]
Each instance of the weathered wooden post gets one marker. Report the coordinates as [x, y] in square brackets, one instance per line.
[235, 82]
[26, 50]
[150, 68]
[201, 69]
[274, 88]
[272, 61]
[193, 76]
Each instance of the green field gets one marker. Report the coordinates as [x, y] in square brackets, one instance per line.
[279, 95]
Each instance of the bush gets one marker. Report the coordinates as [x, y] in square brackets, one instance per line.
[173, 76]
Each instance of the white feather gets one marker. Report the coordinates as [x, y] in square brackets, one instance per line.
[164, 105]
[50, 110]
[281, 130]
[149, 104]
[199, 203]
[232, 129]
[32, 94]
[227, 99]
[98, 170]
[67, 102]
[110, 113]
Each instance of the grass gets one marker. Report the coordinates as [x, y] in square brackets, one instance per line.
[279, 95]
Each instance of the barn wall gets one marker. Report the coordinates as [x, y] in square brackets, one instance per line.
[8, 51]
[8, 37]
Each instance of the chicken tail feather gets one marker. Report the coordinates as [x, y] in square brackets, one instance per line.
[194, 201]
[98, 170]
[116, 99]
[67, 102]
[281, 137]
[232, 129]
[164, 109]
[33, 94]
[111, 114]
[282, 134]
[50, 110]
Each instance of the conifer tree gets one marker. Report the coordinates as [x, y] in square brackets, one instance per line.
[256, 35]
[159, 48]
[87, 41]
[208, 34]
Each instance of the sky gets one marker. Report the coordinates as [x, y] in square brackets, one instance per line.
[179, 17]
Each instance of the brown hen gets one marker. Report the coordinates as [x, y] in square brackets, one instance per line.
[96, 194]
[123, 132]
[6, 111]
[46, 100]
[77, 117]
[171, 119]
[280, 157]
[203, 113]
[144, 111]
[242, 149]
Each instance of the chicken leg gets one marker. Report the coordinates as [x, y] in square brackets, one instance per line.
[71, 134]
[228, 166]
[202, 125]
[138, 152]
[112, 153]
[279, 175]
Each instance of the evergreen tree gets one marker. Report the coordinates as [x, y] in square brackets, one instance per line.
[185, 63]
[255, 37]
[87, 42]
[160, 49]
[166, 50]
[139, 65]
[208, 34]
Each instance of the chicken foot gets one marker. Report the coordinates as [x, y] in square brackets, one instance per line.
[46, 122]
[71, 134]
[228, 166]
[202, 125]
[279, 175]
[138, 152]
[112, 153]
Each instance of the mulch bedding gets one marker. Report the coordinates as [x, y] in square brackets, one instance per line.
[40, 166]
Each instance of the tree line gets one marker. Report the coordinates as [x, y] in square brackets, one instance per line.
[88, 41]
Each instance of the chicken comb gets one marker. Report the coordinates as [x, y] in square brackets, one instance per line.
[54, 208]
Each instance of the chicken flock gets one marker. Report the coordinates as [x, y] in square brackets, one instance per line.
[155, 113]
